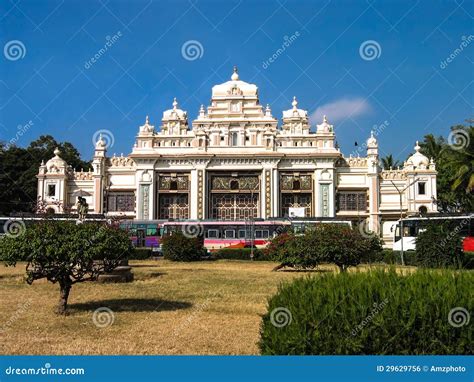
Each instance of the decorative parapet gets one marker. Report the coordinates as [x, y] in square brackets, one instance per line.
[80, 175]
[393, 174]
[120, 161]
[352, 162]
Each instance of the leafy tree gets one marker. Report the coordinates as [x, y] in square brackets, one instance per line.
[65, 253]
[19, 167]
[388, 162]
[455, 167]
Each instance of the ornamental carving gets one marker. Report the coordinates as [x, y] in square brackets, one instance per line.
[295, 183]
[81, 175]
[229, 183]
[121, 161]
[352, 162]
[173, 183]
[393, 174]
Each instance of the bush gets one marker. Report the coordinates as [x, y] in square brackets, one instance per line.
[387, 256]
[179, 247]
[439, 246]
[333, 243]
[468, 261]
[239, 254]
[370, 313]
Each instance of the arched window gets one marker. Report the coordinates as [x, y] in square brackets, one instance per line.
[423, 210]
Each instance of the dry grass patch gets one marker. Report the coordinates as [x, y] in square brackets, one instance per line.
[170, 308]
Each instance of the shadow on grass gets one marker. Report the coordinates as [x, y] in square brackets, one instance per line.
[132, 305]
[292, 270]
[144, 265]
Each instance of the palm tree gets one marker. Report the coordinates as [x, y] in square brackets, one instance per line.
[432, 146]
[388, 162]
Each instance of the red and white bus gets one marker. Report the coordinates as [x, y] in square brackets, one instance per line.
[412, 226]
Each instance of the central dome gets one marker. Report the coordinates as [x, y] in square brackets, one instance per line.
[235, 88]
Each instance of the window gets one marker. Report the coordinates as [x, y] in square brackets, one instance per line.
[121, 201]
[51, 190]
[262, 234]
[234, 139]
[423, 210]
[421, 188]
[213, 234]
[234, 185]
[242, 234]
[229, 234]
[352, 201]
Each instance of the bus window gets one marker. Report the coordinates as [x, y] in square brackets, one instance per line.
[212, 234]
[242, 234]
[229, 234]
[151, 230]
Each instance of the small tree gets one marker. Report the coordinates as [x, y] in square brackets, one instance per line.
[66, 253]
[179, 247]
[344, 246]
[440, 245]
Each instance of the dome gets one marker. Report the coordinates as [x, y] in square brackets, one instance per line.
[175, 113]
[418, 160]
[55, 163]
[295, 112]
[371, 142]
[235, 87]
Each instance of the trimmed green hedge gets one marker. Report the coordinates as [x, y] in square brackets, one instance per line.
[239, 254]
[180, 247]
[371, 313]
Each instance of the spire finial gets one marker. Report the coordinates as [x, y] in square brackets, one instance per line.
[417, 147]
[294, 103]
[175, 103]
[325, 119]
[235, 75]
[147, 120]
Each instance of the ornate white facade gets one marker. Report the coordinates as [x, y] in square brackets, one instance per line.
[235, 162]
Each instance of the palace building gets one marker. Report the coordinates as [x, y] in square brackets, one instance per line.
[236, 161]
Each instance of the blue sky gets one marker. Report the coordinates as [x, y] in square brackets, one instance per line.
[402, 80]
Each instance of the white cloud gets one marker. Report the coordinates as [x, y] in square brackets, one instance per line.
[341, 109]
